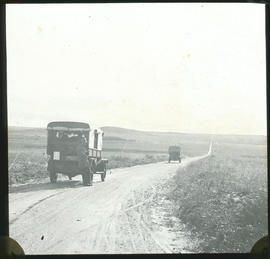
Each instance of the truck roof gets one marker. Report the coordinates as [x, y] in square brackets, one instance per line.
[174, 148]
[68, 125]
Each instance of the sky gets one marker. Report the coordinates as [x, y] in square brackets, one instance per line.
[193, 68]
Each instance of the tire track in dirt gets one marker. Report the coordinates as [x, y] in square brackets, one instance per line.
[136, 205]
[112, 233]
[104, 238]
[136, 211]
[129, 230]
[139, 230]
[32, 206]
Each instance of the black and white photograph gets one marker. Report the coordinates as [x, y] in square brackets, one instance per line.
[136, 128]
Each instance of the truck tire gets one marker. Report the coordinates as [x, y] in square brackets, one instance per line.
[103, 175]
[86, 178]
[53, 176]
[91, 177]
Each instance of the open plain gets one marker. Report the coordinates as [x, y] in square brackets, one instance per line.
[214, 201]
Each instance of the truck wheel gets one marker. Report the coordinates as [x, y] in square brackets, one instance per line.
[91, 177]
[53, 176]
[103, 175]
[86, 179]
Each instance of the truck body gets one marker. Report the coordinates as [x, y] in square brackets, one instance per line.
[174, 153]
[62, 141]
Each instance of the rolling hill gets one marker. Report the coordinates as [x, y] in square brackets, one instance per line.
[116, 138]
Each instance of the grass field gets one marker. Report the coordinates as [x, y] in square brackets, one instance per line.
[223, 198]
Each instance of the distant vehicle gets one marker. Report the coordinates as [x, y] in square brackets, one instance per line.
[63, 140]
[174, 153]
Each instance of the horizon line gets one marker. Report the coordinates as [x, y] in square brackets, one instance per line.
[149, 131]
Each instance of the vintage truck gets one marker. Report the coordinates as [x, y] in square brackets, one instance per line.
[174, 153]
[62, 141]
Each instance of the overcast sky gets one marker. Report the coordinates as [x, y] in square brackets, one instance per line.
[195, 68]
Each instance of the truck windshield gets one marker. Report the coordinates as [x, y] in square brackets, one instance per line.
[68, 136]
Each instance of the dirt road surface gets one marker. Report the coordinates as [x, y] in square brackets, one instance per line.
[119, 215]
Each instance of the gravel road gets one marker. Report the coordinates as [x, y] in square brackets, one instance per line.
[108, 217]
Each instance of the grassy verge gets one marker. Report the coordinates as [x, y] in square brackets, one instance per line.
[120, 161]
[26, 166]
[223, 199]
